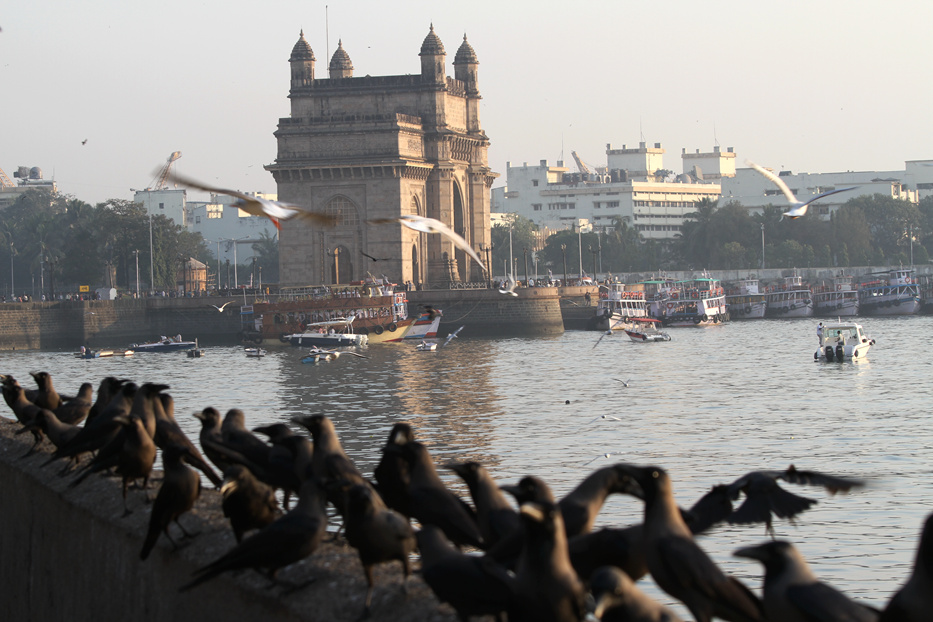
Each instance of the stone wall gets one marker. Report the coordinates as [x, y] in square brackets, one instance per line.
[69, 554]
[114, 323]
[534, 312]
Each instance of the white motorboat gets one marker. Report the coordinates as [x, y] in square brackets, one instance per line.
[165, 344]
[255, 352]
[645, 330]
[316, 355]
[426, 346]
[332, 334]
[843, 341]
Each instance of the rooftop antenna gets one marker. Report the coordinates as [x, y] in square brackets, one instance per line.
[641, 132]
[715, 139]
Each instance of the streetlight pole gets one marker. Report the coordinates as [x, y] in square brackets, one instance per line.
[525, 253]
[563, 250]
[511, 258]
[12, 287]
[580, 248]
[151, 256]
[136, 252]
[762, 246]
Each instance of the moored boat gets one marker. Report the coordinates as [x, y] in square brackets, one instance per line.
[843, 341]
[744, 300]
[164, 344]
[645, 330]
[331, 334]
[254, 352]
[899, 294]
[617, 307]
[790, 299]
[695, 302]
[381, 312]
[839, 299]
[87, 353]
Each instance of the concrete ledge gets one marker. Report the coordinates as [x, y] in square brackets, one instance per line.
[68, 555]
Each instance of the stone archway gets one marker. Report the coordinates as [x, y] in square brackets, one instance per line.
[463, 260]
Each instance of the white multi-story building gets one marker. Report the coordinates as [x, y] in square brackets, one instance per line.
[754, 191]
[634, 186]
[222, 225]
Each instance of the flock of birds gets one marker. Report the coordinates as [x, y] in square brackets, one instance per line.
[543, 561]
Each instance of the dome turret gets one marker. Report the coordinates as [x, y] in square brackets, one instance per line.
[432, 44]
[340, 64]
[302, 63]
[466, 66]
[302, 49]
[465, 53]
[432, 59]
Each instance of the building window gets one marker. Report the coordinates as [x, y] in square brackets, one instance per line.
[536, 207]
[534, 182]
[344, 210]
[612, 204]
[197, 220]
[161, 205]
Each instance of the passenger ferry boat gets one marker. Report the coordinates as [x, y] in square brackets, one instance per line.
[617, 307]
[330, 334]
[695, 302]
[900, 295]
[379, 312]
[792, 299]
[744, 301]
[839, 299]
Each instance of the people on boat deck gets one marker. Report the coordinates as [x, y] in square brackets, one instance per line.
[819, 333]
[839, 338]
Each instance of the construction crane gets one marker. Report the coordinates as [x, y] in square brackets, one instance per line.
[5, 181]
[581, 165]
[158, 182]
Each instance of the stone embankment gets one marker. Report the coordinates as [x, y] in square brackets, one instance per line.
[68, 554]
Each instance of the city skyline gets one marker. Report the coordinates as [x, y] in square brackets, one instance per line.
[809, 88]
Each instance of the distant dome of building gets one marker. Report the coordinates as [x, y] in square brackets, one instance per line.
[302, 49]
[340, 59]
[465, 53]
[432, 44]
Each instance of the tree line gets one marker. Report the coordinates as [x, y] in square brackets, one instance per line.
[866, 230]
[55, 243]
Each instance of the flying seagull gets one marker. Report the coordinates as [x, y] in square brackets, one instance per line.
[223, 306]
[430, 225]
[798, 208]
[452, 335]
[374, 258]
[256, 206]
[510, 290]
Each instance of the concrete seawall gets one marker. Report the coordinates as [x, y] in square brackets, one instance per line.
[67, 554]
[534, 312]
[114, 323]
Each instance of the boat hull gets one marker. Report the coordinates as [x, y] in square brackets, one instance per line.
[324, 340]
[747, 310]
[786, 308]
[890, 305]
[163, 347]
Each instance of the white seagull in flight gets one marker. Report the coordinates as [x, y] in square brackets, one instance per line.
[430, 225]
[798, 208]
[510, 290]
[257, 206]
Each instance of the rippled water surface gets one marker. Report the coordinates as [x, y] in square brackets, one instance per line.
[708, 406]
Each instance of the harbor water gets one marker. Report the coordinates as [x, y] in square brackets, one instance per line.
[708, 406]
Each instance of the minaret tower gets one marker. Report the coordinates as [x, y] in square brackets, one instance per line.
[340, 65]
[432, 59]
[302, 63]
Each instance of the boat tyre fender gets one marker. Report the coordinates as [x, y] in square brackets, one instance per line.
[748, 310]
[362, 330]
[377, 330]
[257, 338]
[793, 306]
[897, 302]
[283, 338]
[697, 320]
[392, 327]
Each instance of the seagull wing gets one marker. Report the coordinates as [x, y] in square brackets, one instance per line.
[777, 181]
[826, 194]
[431, 225]
[190, 183]
[831, 483]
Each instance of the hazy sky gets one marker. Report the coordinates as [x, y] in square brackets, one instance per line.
[810, 86]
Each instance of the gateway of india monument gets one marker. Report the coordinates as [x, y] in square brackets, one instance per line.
[379, 147]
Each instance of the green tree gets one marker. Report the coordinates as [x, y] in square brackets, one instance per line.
[523, 236]
[267, 257]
